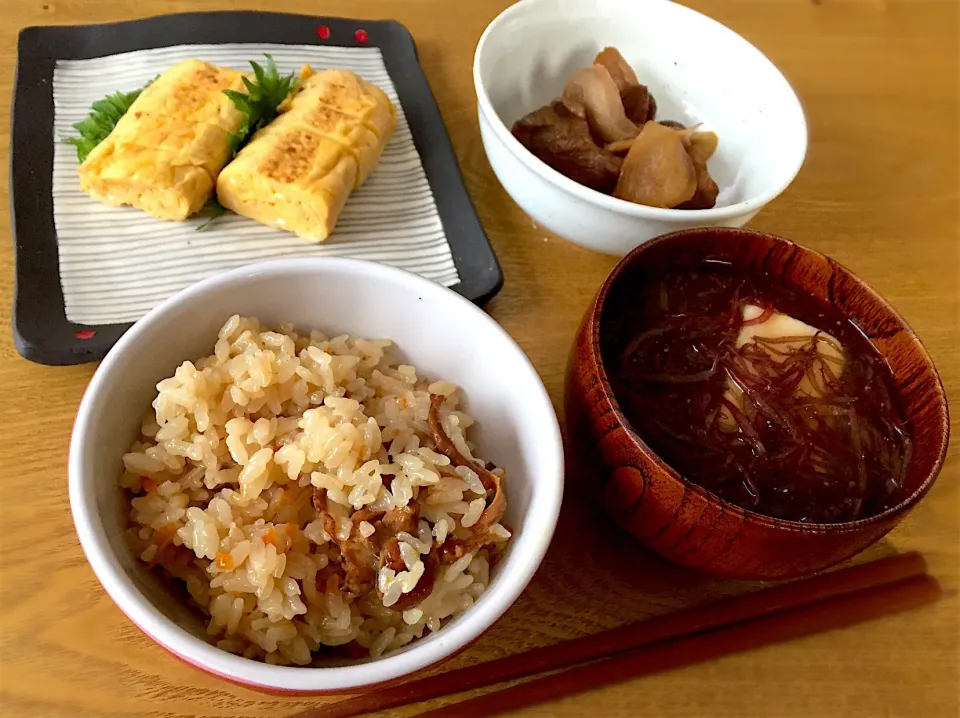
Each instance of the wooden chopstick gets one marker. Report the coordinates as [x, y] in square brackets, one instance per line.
[825, 615]
[635, 635]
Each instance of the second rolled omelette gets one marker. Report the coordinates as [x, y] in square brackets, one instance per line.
[165, 153]
[297, 172]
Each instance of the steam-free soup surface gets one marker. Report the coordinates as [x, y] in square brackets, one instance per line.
[758, 394]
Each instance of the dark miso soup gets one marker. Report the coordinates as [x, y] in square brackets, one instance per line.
[762, 395]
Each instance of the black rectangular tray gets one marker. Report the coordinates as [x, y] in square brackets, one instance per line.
[41, 330]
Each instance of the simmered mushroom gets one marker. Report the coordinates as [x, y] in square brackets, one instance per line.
[639, 104]
[559, 136]
[657, 170]
[594, 89]
[621, 72]
[701, 147]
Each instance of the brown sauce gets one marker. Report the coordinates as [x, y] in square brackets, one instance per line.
[835, 453]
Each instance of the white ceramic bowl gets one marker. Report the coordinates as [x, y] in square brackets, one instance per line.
[698, 70]
[436, 330]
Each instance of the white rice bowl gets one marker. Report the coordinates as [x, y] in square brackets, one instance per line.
[442, 334]
[258, 464]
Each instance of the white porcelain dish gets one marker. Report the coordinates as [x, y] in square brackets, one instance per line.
[698, 70]
[436, 330]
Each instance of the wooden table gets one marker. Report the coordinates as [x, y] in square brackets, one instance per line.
[879, 192]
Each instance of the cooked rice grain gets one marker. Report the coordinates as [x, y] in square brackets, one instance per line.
[223, 477]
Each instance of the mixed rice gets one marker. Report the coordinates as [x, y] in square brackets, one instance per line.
[311, 492]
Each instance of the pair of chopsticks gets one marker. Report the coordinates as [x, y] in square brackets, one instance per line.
[771, 615]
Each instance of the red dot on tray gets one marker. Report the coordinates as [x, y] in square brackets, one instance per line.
[85, 334]
[323, 32]
[361, 36]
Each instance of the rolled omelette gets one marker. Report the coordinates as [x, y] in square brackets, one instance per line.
[298, 171]
[165, 153]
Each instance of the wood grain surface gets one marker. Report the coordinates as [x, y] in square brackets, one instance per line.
[878, 192]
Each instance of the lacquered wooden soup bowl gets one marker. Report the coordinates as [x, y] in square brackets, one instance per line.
[682, 521]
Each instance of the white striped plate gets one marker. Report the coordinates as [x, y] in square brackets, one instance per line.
[117, 263]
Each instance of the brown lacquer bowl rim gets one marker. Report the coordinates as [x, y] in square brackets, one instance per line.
[641, 446]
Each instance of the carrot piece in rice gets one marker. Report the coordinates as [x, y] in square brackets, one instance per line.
[270, 537]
